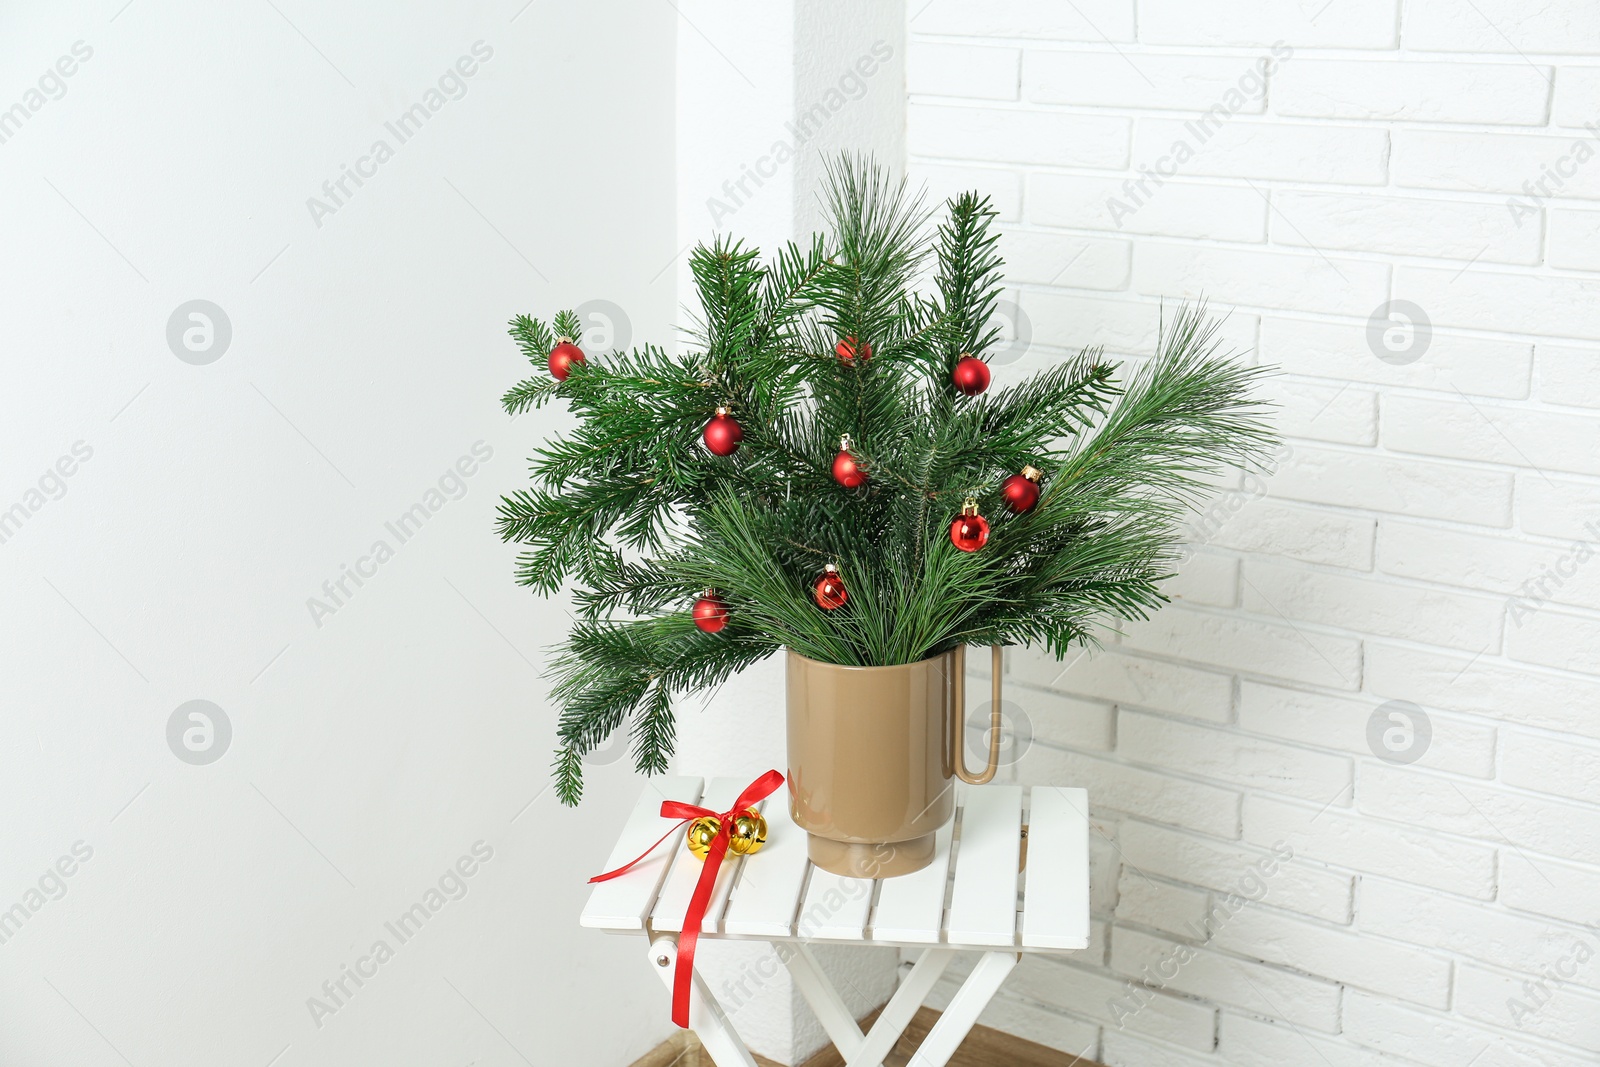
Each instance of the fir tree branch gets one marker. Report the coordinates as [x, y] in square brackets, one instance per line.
[632, 506]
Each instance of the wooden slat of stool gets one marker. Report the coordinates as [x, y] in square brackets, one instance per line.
[733, 873]
[673, 902]
[911, 907]
[835, 908]
[624, 903]
[1057, 879]
[767, 893]
[983, 903]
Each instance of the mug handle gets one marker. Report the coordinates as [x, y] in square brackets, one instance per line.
[958, 713]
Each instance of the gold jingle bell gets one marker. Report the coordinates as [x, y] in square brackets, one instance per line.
[701, 833]
[749, 833]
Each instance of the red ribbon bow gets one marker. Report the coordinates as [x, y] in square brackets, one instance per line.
[756, 792]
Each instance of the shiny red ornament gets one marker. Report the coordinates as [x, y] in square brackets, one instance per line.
[970, 530]
[971, 375]
[831, 594]
[562, 357]
[1021, 491]
[710, 613]
[847, 469]
[723, 434]
[850, 348]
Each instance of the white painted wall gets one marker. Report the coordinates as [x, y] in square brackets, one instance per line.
[207, 503]
[1428, 538]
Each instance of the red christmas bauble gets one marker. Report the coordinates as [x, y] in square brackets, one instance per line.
[710, 613]
[847, 470]
[970, 530]
[1021, 491]
[850, 348]
[971, 375]
[831, 594]
[562, 357]
[723, 434]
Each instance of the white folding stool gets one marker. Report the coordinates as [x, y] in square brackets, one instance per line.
[983, 901]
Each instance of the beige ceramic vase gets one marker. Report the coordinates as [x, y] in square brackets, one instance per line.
[873, 752]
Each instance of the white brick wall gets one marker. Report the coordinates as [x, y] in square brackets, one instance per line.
[1431, 535]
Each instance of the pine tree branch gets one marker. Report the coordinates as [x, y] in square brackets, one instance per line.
[632, 506]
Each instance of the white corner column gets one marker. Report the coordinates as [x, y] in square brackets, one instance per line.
[767, 93]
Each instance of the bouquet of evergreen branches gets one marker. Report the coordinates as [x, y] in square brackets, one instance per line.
[699, 547]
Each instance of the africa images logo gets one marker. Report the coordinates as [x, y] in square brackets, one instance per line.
[452, 885]
[1252, 85]
[851, 85]
[451, 85]
[339, 590]
[52, 85]
[52, 485]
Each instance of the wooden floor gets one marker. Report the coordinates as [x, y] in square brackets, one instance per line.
[982, 1048]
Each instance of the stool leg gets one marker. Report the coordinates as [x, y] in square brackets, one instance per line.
[902, 1007]
[962, 1014]
[706, 1017]
[830, 1008]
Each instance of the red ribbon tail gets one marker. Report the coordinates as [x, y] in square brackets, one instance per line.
[683, 977]
[670, 809]
[631, 864]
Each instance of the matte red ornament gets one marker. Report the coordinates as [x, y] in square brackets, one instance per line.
[850, 348]
[970, 530]
[1021, 491]
[971, 375]
[710, 612]
[847, 470]
[831, 594]
[723, 434]
[562, 357]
